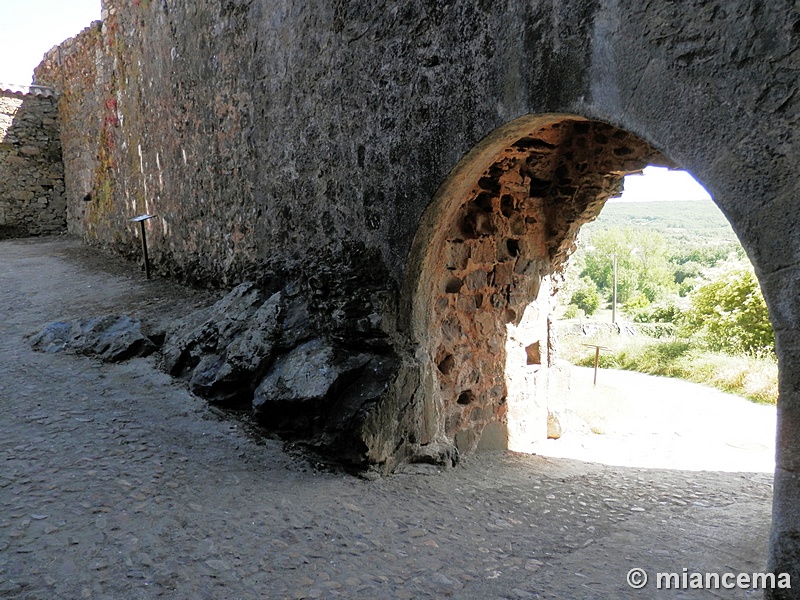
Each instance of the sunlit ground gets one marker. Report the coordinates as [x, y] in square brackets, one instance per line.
[636, 420]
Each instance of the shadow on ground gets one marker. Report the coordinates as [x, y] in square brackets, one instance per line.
[117, 483]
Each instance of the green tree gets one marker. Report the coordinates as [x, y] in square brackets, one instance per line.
[730, 315]
[705, 253]
[643, 265]
[585, 296]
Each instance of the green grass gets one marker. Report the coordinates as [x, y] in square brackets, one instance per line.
[695, 223]
[754, 378]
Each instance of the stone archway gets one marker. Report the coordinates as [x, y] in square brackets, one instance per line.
[488, 260]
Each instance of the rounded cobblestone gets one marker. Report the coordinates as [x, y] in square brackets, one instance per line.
[117, 483]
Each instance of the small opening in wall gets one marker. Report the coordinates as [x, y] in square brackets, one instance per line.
[490, 184]
[534, 355]
[88, 197]
[477, 223]
[466, 397]
[446, 364]
[507, 205]
[513, 247]
[484, 202]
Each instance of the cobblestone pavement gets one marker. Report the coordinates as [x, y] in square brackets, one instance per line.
[116, 483]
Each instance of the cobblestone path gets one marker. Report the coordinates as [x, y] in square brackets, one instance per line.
[116, 483]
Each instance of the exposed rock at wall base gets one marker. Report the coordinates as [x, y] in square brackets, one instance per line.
[303, 377]
[225, 349]
[554, 429]
[264, 351]
[323, 393]
[436, 453]
[110, 338]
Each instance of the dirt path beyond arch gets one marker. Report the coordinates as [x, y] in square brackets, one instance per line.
[116, 483]
[637, 420]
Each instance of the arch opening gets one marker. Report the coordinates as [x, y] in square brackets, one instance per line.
[490, 257]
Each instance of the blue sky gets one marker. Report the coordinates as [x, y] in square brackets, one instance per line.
[29, 28]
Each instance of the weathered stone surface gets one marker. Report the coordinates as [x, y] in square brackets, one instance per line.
[554, 430]
[299, 380]
[344, 142]
[55, 337]
[323, 393]
[227, 347]
[87, 121]
[110, 338]
[306, 374]
[233, 373]
[210, 331]
[483, 321]
[259, 350]
[32, 198]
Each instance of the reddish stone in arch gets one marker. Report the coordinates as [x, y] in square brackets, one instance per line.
[499, 234]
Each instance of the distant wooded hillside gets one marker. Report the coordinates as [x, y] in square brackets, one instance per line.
[688, 221]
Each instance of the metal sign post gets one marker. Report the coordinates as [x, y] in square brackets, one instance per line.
[141, 219]
[596, 357]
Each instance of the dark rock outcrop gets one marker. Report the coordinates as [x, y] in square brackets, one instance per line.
[318, 384]
[224, 350]
[261, 351]
[111, 338]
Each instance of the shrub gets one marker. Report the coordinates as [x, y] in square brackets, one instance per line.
[637, 302]
[586, 297]
[753, 377]
[729, 315]
[663, 312]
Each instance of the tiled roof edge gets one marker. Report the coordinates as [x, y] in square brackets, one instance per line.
[27, 90]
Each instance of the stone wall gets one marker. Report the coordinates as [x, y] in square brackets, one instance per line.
[31, 173]
[333, 147]
[227, 119]
[76, 69]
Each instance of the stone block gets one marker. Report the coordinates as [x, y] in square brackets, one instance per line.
[493, 438]
[457, 255]
[30, 150]
[554, 430]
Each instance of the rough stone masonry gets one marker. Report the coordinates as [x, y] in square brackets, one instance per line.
[32, 195]
[414, 176]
